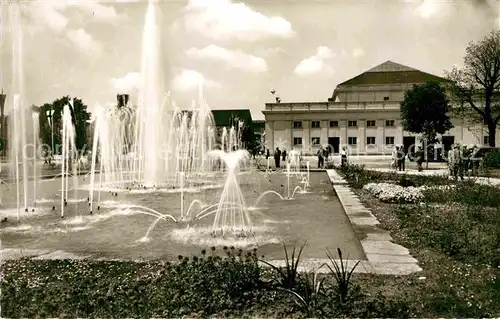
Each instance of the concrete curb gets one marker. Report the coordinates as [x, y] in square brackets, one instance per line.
[384, 256]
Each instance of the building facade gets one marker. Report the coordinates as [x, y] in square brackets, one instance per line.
[362, 114]
[3, 125]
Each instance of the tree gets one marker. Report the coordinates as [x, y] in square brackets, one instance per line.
[79, 116]
[476, 87]
[424, 111]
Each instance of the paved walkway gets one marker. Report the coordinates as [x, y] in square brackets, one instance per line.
[439, 172]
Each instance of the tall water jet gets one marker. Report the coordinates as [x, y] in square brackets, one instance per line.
[232, 213]
[35, 153]
[68, 154]
[18, 126]
[151, 93]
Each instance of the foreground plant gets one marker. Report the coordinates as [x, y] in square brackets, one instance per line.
[309, 297]
[288, 275]
[343, 288]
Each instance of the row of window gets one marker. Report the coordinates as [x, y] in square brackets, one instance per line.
[351, 140]
[369, 123]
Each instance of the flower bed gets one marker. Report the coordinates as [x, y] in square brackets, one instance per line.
[393, 193]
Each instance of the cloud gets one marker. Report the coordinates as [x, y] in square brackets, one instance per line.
[234, 59]
[53, 15]
[99, 11]
[126, 84]
[358, 52]
[190, 79]
[47, 14]
[317, 63]
[84, 41]
[272, 52]
[222, 19]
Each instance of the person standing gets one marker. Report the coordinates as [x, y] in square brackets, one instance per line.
[321, 158]
[459, 162]
[400, 158]
[284, 156]
[451, 161]
[419, 158]
[343, 157]
[394, 159]
[277, 156]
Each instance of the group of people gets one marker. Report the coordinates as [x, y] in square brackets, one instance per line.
[462, 159]
[322, 154]
[399, 156]
[278, 155]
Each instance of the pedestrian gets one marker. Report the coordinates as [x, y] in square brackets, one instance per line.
[458, 155]
[267, 154]
[321, 157]
[451, 161]
[277, 156]
[394, 158]
[284, 155]
[401, 158]
[343, 156]
[419, 158]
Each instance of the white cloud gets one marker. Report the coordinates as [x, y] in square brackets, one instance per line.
[84, 41]
[126, 84]
[317, 63]
[358, 52]
[51, 15]
[99, 11]
[191, 79]
[222, 19]
[234, 59]
[48, 14]
[272, 52]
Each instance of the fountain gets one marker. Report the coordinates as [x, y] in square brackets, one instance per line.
[19, 127]
[156, 148]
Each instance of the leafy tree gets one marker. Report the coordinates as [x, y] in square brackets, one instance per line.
[424, 111]
[476, 86]
[79, 116]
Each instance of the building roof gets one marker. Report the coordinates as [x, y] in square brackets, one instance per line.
[259, 125]
[391, 72]
[225, 117]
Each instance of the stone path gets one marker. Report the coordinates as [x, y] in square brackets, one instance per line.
[384, 256]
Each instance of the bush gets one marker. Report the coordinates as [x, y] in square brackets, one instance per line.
[492, 159]
[468, 193]
[204, 285]
[465, 233]
[358, 176]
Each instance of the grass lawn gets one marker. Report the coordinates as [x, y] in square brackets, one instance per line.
[454, 233]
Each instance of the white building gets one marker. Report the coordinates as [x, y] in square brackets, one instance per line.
[363, 113]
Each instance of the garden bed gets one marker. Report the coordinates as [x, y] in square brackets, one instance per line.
[454, 233]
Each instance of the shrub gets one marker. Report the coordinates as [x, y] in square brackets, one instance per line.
[454, 230]
[492, 159]
[468, 193]
[358, 176]
[204, 285]
[287, 277]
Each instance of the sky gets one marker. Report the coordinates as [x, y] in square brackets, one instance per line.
[240, 51]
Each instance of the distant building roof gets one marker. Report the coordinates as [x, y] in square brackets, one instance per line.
[259, 125]
[391, 72]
